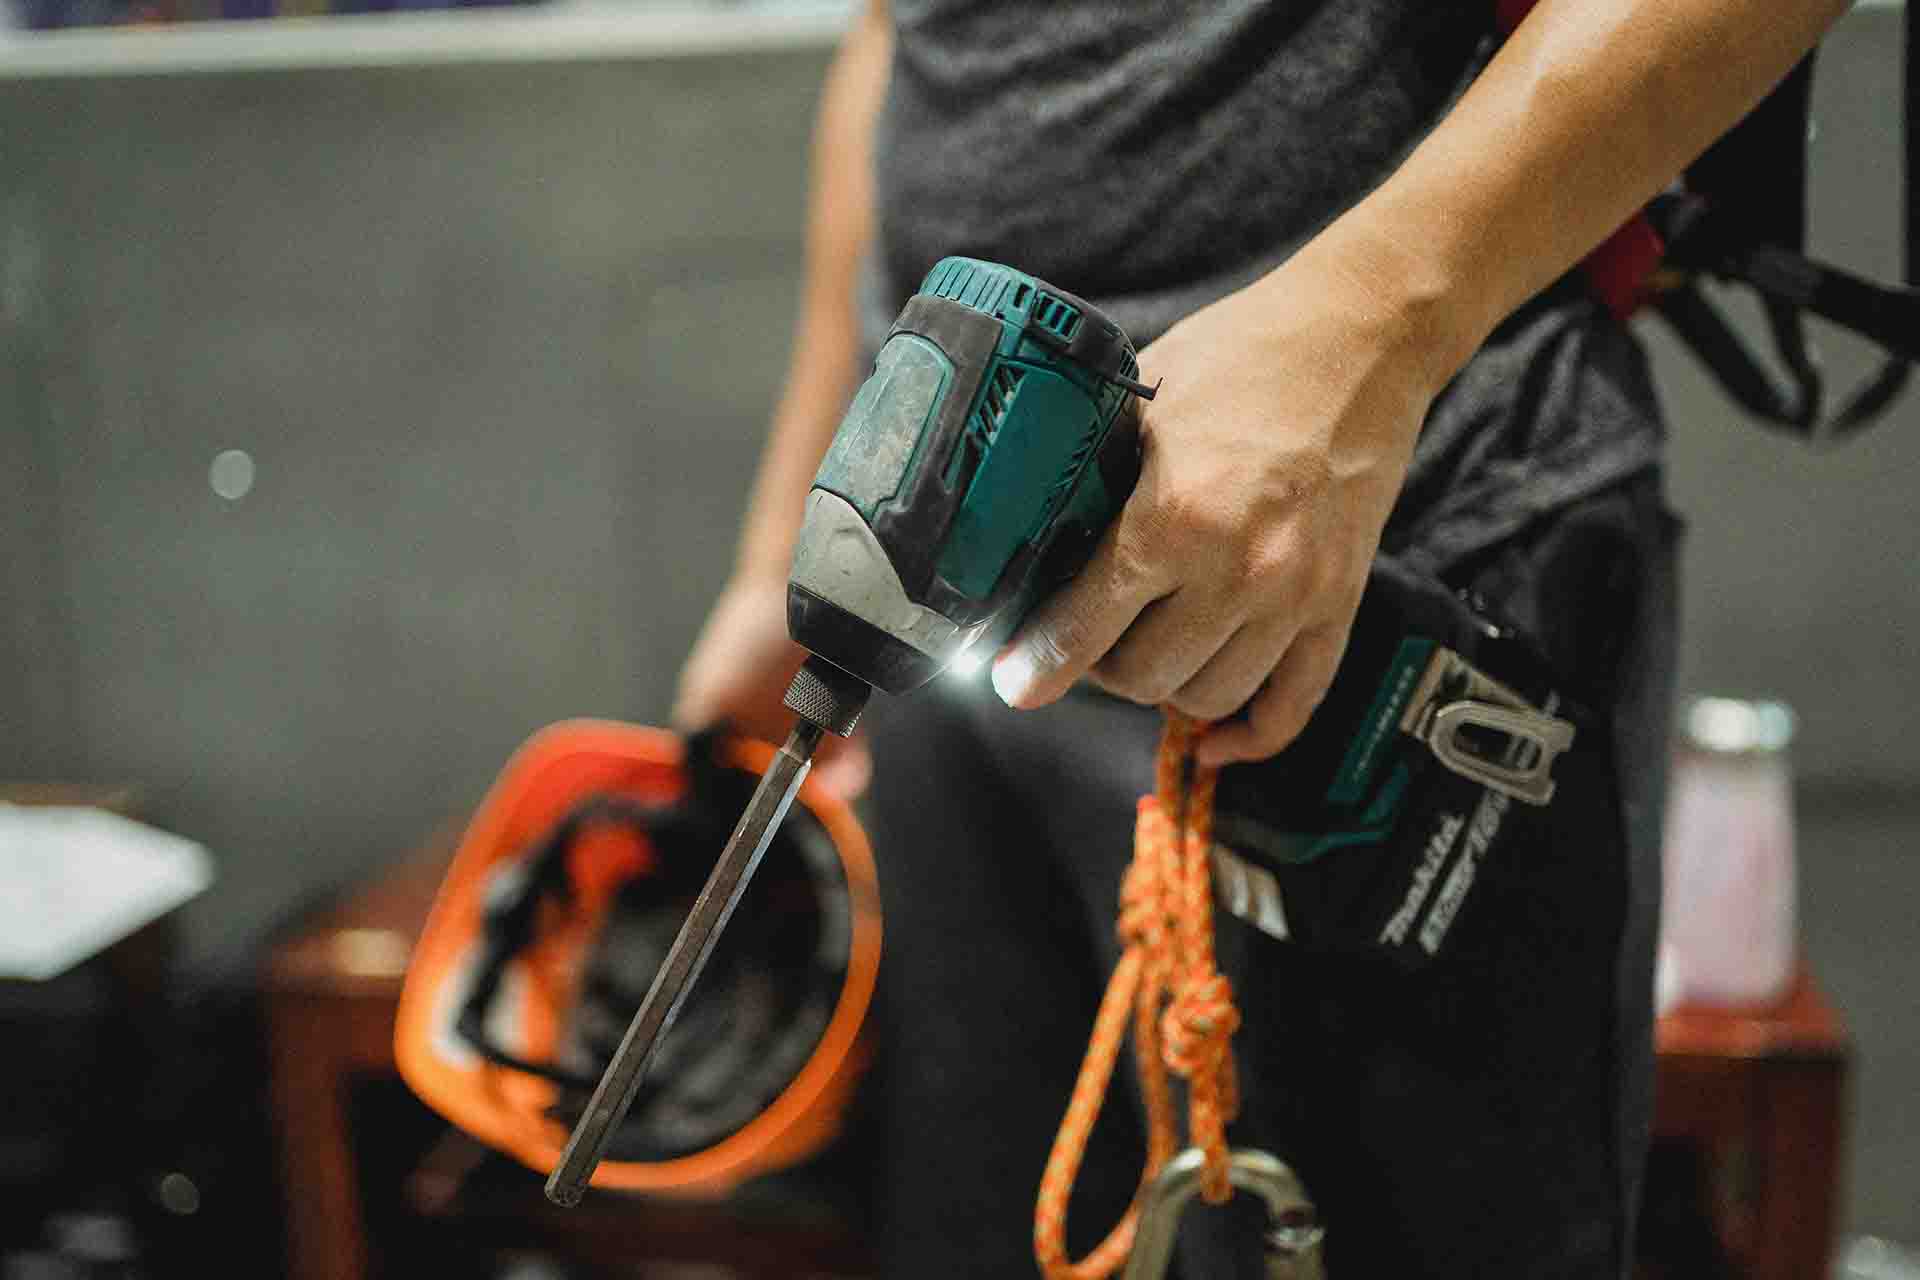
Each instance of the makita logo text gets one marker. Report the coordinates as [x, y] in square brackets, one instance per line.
[1439, 845]
[1486, 825]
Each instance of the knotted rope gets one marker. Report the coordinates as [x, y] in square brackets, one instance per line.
[1181, 1008]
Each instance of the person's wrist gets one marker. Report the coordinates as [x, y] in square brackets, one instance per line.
[765, 554]
[760, 575]
[1427, 312]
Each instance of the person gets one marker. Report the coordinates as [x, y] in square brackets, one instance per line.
[1345, 235]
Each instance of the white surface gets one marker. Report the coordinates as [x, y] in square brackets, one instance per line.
[417, 39]
[74, 881]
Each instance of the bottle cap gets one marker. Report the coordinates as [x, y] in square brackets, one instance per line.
[1733, 726]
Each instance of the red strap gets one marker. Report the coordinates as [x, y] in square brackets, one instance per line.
[1507, 13]
[1619, 270]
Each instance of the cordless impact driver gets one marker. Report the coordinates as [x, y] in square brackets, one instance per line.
[973, 474]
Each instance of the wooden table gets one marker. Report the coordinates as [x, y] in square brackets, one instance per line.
[1762, 1089]
[330, 993]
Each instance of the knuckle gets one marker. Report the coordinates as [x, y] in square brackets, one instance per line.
[1265, 568]
[1139, 544]
[1219, 524]
[1206, 704]
[1155, 691]
[1129, 692]
[1135, 561]
[1192, 517]
[1185, 509]
[1275, 563]
[1052, 640]
[1127, 677]
[1220, 695]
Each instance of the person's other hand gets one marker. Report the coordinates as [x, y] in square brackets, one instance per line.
[739, 670]
[1270, 460]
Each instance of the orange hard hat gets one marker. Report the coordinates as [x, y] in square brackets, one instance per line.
[566, 889]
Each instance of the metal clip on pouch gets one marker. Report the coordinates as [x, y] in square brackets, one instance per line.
[1455, 704]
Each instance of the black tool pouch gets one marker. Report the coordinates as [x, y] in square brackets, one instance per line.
[1442, 738]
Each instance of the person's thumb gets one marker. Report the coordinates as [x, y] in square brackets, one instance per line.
[1072, 629]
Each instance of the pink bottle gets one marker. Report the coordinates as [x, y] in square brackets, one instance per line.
[1728, 931]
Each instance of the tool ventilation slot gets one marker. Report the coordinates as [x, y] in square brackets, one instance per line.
[1052, 314]
[999, 395]
[1071, 469]
[979, 285]
[984, 425]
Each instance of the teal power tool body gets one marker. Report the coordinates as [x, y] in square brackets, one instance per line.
[974, 472]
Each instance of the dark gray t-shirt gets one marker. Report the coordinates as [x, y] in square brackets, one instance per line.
[1153, 156]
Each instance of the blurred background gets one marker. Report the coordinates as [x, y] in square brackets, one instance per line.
[377, 389]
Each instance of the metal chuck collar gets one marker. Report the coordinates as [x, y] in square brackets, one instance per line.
[823, 694]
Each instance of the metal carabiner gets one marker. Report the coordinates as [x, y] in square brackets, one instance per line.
[1293, 1236]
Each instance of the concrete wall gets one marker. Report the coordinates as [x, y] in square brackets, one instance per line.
[1801, 566]
[500, 340]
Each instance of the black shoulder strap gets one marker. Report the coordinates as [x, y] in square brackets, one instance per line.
[1742, 218]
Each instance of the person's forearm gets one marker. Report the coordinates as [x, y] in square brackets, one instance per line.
[1587, 111]
[821, 373]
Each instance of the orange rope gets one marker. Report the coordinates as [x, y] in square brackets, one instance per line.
[1182, 1011]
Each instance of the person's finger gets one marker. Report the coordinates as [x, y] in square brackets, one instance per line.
[1070, 630]
[846, 767]
[1166, 645]
[694, 696]
[748, 696]
[698, 702]
[1280, 711]
[1232, 676]
[695, 709]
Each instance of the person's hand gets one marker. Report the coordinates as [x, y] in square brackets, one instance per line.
[739, 670]
[1270, 460]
